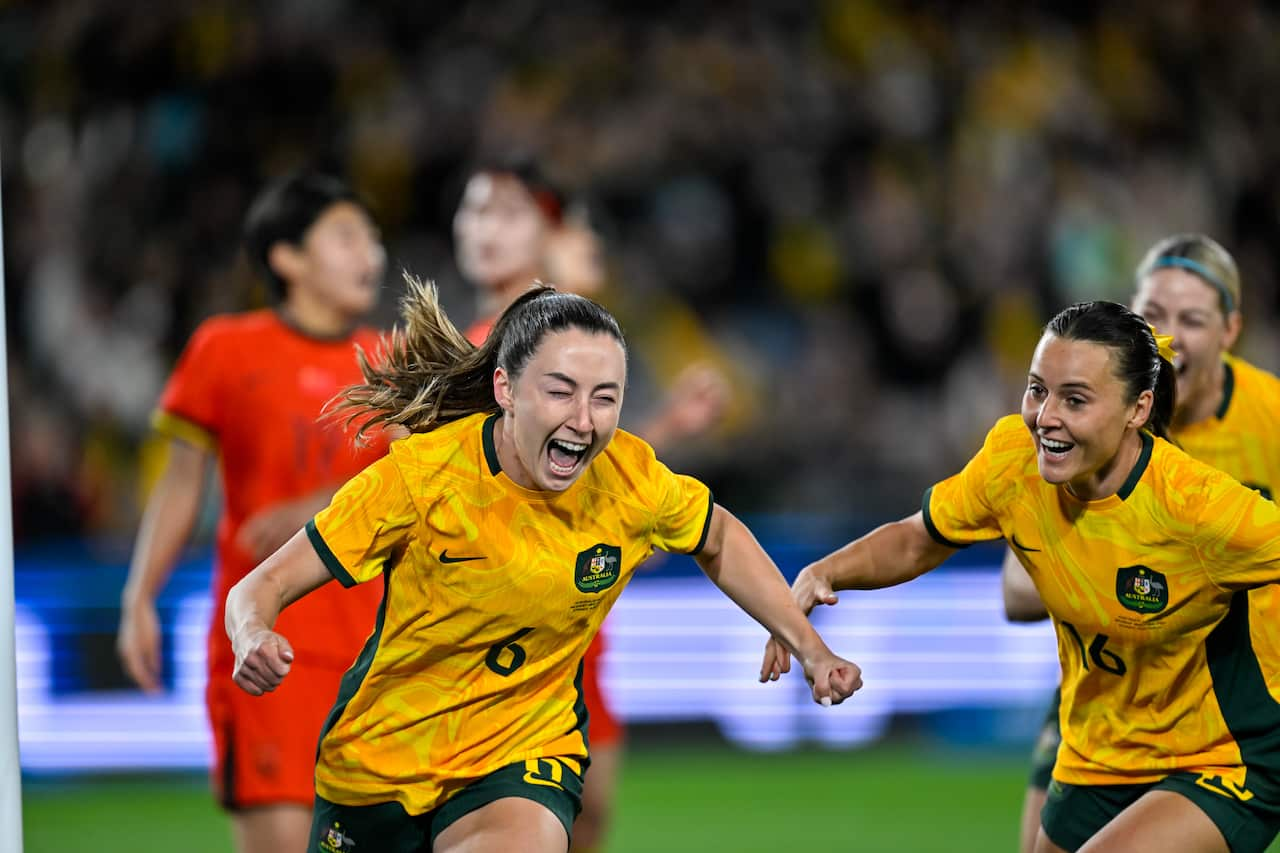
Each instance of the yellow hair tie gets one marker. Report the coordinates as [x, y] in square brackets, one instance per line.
[1164, 343]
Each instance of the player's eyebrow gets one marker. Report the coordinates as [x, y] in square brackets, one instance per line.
[1084, 386]
[603, 386]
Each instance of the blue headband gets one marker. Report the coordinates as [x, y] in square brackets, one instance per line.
[1228, 301]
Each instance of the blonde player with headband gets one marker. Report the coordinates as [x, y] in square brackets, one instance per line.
[1142, 556]
[502, 532]
[1226, 415]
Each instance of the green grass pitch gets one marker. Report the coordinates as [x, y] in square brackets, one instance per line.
[685, 796]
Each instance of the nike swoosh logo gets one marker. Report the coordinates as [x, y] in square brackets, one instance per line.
[445, 558]
[1022, 547]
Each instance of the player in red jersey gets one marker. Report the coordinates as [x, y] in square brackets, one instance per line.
[249, 391]
[509, 231]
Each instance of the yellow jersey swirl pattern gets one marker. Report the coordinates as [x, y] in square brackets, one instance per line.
[492, 594]
[1242, 439]
[1158, 671]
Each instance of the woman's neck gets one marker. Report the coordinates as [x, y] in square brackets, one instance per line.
[315, 318]
[1204, 401]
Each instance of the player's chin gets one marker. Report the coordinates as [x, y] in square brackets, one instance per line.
[362, 300]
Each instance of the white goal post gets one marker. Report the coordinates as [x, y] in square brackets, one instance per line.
[10, 775]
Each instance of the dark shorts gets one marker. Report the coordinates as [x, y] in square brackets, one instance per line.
[388, 828]
[1248, 819]
[1045, 752]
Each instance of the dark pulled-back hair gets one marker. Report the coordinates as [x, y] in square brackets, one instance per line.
[283, 212]
[428, 374]
[1138, 363]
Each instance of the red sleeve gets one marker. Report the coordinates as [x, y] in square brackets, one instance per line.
[193, 393]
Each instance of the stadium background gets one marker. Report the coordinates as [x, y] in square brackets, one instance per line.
[863, 210]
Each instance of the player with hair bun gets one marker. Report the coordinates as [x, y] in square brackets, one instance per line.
[1144, 558]
[1187, 285]
[500, 532]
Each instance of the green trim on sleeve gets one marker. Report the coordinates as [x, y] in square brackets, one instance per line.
[490, 448]
[189, 432]
[1144, 456]
[928, 523]
[331, 562]
[706, 525]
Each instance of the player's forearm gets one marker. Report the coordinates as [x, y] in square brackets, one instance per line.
[255, 602]
[167, 522]
[891, 554]
[735, 562]
[253, 605]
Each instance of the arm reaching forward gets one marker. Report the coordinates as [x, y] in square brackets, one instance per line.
[891, 554]
[736, 563]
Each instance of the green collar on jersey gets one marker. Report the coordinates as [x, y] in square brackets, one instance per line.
[490, 448]
[1228, 389]
[1144, 456]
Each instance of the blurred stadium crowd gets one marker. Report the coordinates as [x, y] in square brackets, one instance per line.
[864, 210]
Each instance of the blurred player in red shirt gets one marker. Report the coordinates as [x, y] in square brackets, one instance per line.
[248, 391]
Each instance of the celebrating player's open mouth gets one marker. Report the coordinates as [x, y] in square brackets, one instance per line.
[565, 457]
[1054, 450]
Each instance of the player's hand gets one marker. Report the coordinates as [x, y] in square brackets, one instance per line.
[138, 644]
[809, 590]
[698, 399]
[266, 530]
[832, 679]
[777, 660]
[263, 659]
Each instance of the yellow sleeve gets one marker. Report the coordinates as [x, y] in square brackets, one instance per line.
[175, 426]
[958, 511]
[1238, 534]
[684, 515]
[365, 523]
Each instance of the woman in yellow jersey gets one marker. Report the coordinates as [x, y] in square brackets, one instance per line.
[503, 530]
[1227, 409]
[1142, 555]
[509, 229]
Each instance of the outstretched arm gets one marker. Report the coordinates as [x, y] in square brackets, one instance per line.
[891, 554]
[263, 657]
[1021, 599]
[167, 521]
[887, 556]
[736, 563]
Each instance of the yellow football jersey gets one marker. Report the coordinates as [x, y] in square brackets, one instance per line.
[1243, 439]
[492, 594]
[1158, 671]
